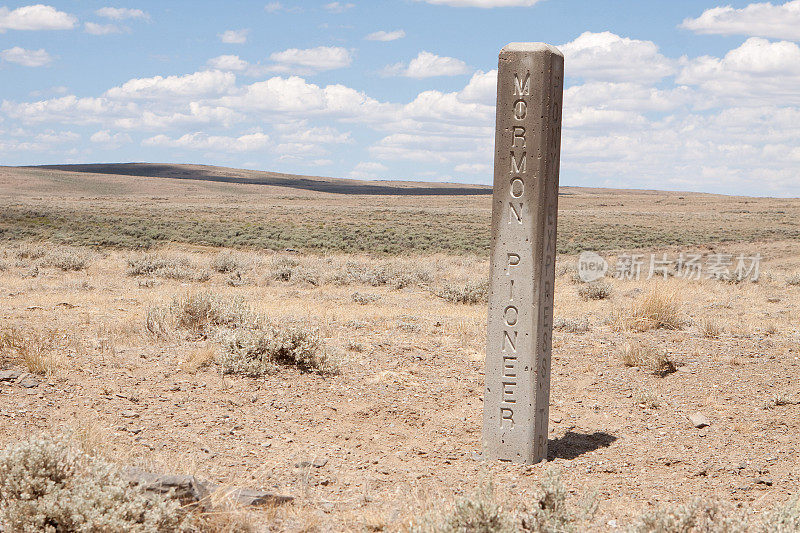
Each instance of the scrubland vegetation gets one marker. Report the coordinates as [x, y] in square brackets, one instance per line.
[172, 331]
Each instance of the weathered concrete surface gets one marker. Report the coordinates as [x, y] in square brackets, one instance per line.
[525, 205]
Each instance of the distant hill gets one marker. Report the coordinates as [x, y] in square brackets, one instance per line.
[259, 177]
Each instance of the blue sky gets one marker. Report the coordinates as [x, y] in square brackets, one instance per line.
[681, 95]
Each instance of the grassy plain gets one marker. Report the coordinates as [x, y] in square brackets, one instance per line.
[393, 287]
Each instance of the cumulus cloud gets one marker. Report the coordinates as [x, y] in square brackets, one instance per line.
[26, 58]
[234, 36]
[386, 35]
[228, 62]
[110, 140]
[302, 132]
[608, 57]
[103, 29]
[204, 83]
[759, 71]
[121, 13]
[368, 170]
[338, 7]
[427, 65]
[295, 95]
[211, 143]
[757, 20]
[483, 3]
[36, 17]
[309, 60]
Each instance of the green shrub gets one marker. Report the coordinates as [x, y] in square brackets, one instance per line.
[364, 299]
[68, 259]
[283, 267]
[571, 325]
[47, 486]
[229, 262]
[707, 516]
[479, 513]
[552, 514]
[469, 293]
[179, 268]
[595, 291]
[259, 349]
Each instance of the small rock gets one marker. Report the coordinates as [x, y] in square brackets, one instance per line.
[699, 420]
[317, 462]
[9, 375]
[29, 382]
[129, 414]
[763, 481]
[557, 420]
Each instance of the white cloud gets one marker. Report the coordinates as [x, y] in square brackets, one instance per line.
[204, 83]
[758, 20]
[627, 96]
[608, 57]
[427, 65]
[180, 117]
[228, 62]
[26, 58]
[103, 29]
[57, 137]
[483, 3]
[481, 89]
[386, 35]
[368, 170]
[36, 17]
[294, 95]
[234, 36]
[757, 72]
[121, 13]
[338, 7]
[301, 132]
[68, 109]
[310, 60]
[274, 7]
[474, 168]
[109, 140]
[212, 143]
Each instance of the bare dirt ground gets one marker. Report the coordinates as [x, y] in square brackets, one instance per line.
[399, 423]
[391, 436]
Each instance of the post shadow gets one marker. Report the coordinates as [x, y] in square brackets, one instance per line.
[573, 445]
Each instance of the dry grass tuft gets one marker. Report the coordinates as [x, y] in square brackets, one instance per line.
[710, 328]
[645, 356]
[793, 279]
[658, 309]
[199, 313]
[200, 357]
[40, 352]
